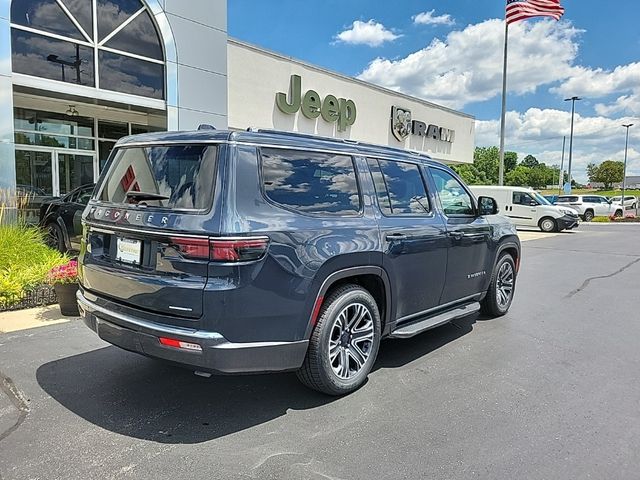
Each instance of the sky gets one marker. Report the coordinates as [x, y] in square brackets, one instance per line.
[451, 53]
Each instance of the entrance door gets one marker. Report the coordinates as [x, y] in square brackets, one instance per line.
[74, 170]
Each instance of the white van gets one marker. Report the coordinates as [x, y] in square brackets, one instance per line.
[527, 208]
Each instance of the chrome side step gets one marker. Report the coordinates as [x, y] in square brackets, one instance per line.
[408, 331]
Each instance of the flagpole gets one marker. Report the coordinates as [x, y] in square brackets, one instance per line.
[504, 104]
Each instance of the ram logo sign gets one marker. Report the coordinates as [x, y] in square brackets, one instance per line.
[402, 126]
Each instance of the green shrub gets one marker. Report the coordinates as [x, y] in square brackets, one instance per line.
[25, 260]
[601, 219]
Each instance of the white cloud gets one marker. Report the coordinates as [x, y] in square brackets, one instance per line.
[539, 132]
[466, 66]
[369, 33]
[430, 18]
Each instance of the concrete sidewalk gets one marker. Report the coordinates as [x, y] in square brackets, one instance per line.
[31, 318]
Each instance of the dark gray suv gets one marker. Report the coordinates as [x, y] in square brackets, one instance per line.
[263, 251]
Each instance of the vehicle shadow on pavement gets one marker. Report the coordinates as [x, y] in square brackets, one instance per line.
[142, 398]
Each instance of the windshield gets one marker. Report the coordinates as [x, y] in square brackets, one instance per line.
[175, 177]
[541, 200]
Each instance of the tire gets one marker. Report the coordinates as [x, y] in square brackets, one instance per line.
[588, 215]
[502, 287]
[335, 376]
[55, 237]
[634, 206]
[548, 224]
[618, 213]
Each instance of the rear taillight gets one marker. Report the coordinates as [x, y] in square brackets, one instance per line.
[238, 250]
[222, 249]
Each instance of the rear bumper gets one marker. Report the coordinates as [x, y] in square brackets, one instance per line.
[567, 222]
[217, 354]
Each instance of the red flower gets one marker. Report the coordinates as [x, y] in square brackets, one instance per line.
[67, 273]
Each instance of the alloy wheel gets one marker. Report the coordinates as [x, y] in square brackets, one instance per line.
[504, 284]
[53, 236]
[351, 340]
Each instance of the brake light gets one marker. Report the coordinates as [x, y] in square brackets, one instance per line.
[238, 250]
[191, 247]
[220, 249]
[172, 342]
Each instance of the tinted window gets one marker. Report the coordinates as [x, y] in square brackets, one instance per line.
[82, 10]
[316, 183]
[138, 37]
[399, 187]
[454, 198]
[112, 14]
[567, 199]
[130, 75]
[180, 177]
[51, 58]
[522, 198]
[44, 15]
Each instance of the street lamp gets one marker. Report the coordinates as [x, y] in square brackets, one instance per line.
[567, 188]
[624, 174]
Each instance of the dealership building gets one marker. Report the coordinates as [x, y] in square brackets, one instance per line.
[77, 75]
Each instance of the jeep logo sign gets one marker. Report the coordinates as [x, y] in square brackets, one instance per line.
[402, 126]
[331, 109]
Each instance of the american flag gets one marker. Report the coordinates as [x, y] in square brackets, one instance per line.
[522, 9]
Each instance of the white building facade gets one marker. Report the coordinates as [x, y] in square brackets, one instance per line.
[77, 75]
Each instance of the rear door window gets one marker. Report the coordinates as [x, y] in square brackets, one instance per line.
[310, 182]
[173, 177]
[568, 199]
[400, 188]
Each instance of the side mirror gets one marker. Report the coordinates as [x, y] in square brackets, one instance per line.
[487, 206]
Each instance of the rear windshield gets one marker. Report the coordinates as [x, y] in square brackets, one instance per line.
[567, 199]
[174, 177]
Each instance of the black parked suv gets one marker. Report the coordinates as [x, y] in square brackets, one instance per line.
[262, 251]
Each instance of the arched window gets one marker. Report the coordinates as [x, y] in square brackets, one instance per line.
[107, 44]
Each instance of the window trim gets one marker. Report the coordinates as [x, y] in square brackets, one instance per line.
[474, 200]
[356, 214]
[429, 214]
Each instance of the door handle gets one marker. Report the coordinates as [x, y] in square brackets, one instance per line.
[396, 237]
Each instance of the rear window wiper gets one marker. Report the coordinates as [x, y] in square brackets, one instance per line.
[146, 196]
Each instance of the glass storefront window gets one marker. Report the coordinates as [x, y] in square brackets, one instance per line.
[54, 123]
[139, 37]
[131, 75]
[46, 57]
[104, 149]
[113, 13]
[138, 129]
[112, 130]
[44, 15]
[34, 174]
[130, 61]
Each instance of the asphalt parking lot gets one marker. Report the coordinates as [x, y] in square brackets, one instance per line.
[549, 391]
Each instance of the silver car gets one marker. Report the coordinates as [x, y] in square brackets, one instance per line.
[629, 201]
[589, 206]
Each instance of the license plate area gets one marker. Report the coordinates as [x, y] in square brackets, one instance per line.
[129, 251]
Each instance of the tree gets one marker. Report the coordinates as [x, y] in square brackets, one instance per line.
[470, 174]
[608, 173]
[487, 162]
[538, 176]
[530, 161]
[518, 177]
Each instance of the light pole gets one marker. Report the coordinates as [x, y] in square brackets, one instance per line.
[624, 173]
[567, 188]
[561, 179]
